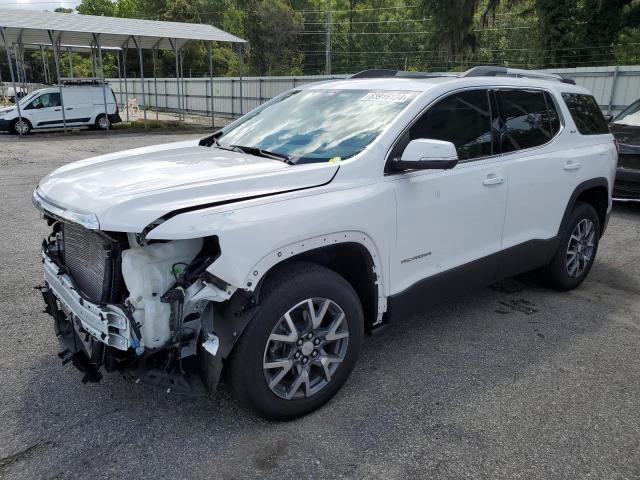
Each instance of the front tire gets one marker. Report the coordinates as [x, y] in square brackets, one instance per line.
[19, 126]
[301, 346]
[577, 250]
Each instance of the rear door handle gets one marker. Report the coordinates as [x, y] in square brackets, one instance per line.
[70, 108]
[571, 165]
[57, 109]
[492, 179]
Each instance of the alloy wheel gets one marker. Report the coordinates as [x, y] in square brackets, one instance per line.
[580, 247]
[305, 348]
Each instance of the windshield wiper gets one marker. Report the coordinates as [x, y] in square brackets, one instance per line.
[259, 152]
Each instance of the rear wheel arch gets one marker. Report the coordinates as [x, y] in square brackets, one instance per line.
[594, 192]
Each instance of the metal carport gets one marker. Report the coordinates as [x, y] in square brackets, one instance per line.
[61, 30]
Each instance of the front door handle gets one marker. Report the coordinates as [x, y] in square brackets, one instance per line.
[57, 109]
[572, 165]
[492, 179]
[70, 108]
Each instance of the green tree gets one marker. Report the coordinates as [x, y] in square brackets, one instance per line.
[105, 8]
[272, 28]
[452, 24]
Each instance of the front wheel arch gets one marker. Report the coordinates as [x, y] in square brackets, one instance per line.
[350, 259]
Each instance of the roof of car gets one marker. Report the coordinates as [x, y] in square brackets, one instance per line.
[453, 81]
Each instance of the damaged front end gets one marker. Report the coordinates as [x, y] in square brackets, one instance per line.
[149, 310]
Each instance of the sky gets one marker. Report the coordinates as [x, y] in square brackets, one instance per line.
[38, 4]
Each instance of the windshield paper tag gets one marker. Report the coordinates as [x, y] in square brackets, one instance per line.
[385, 97]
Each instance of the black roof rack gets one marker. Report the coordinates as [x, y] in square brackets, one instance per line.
[66, 81]
[384, 73]
[496, 71]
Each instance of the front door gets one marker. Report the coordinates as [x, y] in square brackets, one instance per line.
[451, 219]
[45, 111]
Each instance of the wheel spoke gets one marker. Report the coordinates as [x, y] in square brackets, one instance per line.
[319, 316]
[275, 380]
[333, 334]
[303, 377]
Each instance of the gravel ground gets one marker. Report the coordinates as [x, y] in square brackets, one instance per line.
[514, 381]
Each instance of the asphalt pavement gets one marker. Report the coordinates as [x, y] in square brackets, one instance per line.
[512, 382]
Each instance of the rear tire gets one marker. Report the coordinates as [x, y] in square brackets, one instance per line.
[18, 128]
[290, 361]
[576, 252]
[102, 122]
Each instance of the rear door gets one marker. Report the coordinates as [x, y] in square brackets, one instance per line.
[543, 171]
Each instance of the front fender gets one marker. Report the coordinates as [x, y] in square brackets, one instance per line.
[257, 234]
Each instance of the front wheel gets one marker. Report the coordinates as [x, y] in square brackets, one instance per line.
[301, 346]
[577, 250]
[20, 127]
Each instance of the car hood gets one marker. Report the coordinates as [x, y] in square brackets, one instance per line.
[626, 134]
[129, 190]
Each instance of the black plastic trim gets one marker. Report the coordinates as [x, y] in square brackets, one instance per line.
[440, 288]
[581, 188]
[69, 120]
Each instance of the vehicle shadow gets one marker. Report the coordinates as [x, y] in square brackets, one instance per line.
[422, 379]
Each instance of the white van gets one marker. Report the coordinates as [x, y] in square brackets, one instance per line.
[83, 106]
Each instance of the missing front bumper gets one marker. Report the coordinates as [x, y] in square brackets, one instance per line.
[108, 324]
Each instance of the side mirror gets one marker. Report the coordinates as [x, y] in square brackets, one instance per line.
[608, 118]
[427, 154]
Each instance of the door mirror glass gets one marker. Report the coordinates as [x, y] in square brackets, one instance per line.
[427, 154]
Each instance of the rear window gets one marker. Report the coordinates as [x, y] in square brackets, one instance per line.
[586, 114]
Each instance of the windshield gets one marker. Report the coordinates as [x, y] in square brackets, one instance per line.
[629, 116]
[28, 98]
[318, 125]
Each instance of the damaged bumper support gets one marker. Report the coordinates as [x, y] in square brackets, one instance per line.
[108, 324]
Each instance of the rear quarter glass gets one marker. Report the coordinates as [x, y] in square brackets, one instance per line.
[586, 114]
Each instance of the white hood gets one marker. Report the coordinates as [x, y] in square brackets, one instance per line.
[129, 190]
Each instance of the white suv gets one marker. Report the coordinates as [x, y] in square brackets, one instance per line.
[271, 246]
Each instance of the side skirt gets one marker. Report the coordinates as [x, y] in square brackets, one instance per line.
[445, 286]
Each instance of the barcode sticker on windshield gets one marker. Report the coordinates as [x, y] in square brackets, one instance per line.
[385, 97]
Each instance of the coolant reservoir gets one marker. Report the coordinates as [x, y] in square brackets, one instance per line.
[148, 274]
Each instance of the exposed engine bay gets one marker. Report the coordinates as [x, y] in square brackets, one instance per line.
[147, 309]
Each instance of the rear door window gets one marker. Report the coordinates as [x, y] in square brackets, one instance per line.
[586, 114]
[526, 119]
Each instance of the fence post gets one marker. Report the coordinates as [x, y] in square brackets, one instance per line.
[613, 89]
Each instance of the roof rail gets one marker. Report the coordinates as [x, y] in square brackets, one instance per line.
[383, 73]
[496, 71]
[81, 81]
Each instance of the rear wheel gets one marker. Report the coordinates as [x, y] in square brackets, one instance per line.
[102, 122]
[20, 126]
[302, 345]
[577, 250]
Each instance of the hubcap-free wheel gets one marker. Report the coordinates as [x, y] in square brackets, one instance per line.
[580, 247]
[305, 348]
